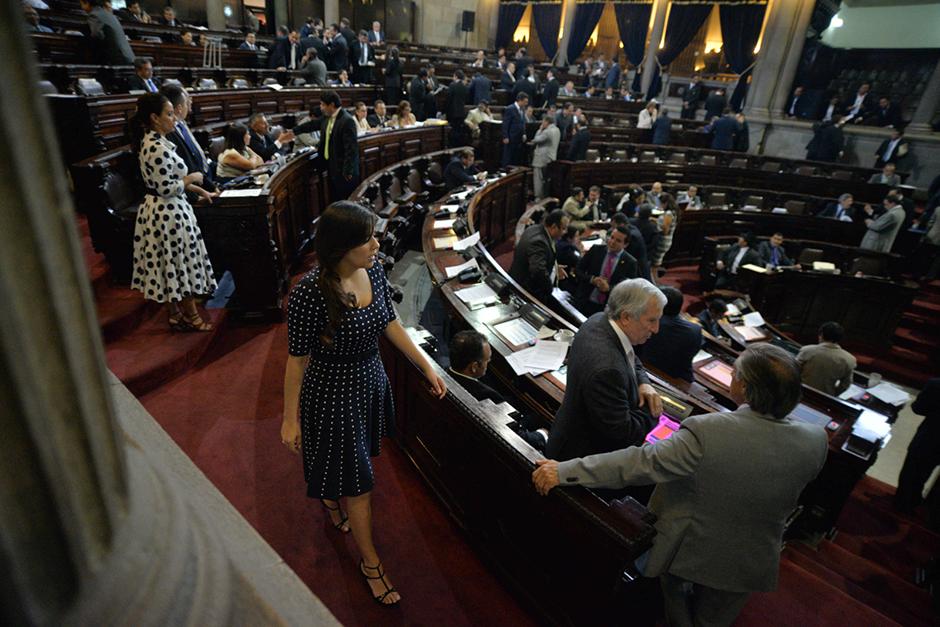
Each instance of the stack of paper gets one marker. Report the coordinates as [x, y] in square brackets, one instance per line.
[546, 355]
[452, 271]
[516, 331]
[467, 242]
[461, 195]
[753, 319]
[753, 268]
[448, 241]
[443, 224]
[871, 426]
[477, 295]
[449, 208]
[701, 356]
[824, 266]
[852, 393]
[590, 243]
[733, 310]
[890, 394]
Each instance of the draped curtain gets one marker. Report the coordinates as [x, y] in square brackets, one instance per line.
[546, 16]
[586, 16]
[510, 12]
[633, 18]
[684, 21]
[740, 30]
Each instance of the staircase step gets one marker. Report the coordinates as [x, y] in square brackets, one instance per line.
[120, 311]
[915, 320]
[152, 354]
[924, 340]
[926, 308]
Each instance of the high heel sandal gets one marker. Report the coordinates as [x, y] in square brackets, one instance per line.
[176, 322]
[341, 525]
[380, 599]
[195, 323]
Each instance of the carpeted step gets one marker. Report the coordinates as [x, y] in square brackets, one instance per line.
[923, 340]
[914, 320]
[898, 365]
[926, 308]
[120, 311]
[152, 354]
[866, 581]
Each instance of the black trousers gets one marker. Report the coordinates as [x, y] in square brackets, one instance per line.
[340, 188]
[923, 455]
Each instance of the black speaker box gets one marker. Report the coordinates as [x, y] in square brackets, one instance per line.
[466, 24]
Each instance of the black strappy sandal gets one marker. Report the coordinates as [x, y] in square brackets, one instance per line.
[380, 599]
[341, 525]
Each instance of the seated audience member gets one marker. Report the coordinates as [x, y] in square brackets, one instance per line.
[840, 210]
[470, 355]
[654, 197]
[834, 107]
[690, 198]
[143, 79]
[237, 158]
[314, 69]
[631, 200]
[647, 226]
[568, 90]
[379, 118]
[478, 115]
[534, 260]
[376, 35]
[828, 142]
[480, 90]
[260, 139]
[675, 344]
[186, 39]
[187, 147]
[724, 129]
[360, 116]
[249, 43]
[923, 454]
[625, 94]
[591, 92]
[718, 539]
[796, 106]
[595, 205]
[827, 366]
[602, 268]
[712, 315]
[460, 170]
[662, 128]
[609, 94]
[883, 230]
[636, 247]
[647, 115]
[342, 80]
[568, 252]
[133, 13]
[107, 34]
[887, 177]
[773, 254]
[204, 43]
[609, 403]
[169, 17]
[403, 117]
[860, 106]
[479, 59]
[886, 113]
[529, 115]
[580, 140]
[893, 150]
[574, 205]
[32, 21]
[740, 254]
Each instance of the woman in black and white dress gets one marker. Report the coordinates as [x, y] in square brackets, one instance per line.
[337, 397]
[170, 261]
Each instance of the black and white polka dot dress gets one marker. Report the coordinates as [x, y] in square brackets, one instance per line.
[170, 259]
[346, 399]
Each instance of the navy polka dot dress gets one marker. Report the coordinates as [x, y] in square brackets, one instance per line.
[170, 259]
[346, 399]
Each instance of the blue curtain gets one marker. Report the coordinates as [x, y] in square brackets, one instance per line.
[547, 18]
[509, 15]
[684, 22]
[586, 16]
[740, 29]
[633, 20]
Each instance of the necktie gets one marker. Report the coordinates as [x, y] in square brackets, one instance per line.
[326, 140]
[188, 140]
[151, 86]
[365, 54]
[776, 257]
[606, 272]
[839, 212]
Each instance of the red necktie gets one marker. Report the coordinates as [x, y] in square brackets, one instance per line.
[607, 270]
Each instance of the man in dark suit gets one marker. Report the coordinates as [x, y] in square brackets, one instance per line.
[417, 93]
[671, 350]
[885, 114]
[711, 316]
[723, 130]
[460, 170]
[773, 253]
[315, 40]
[860, 106]
[797, 106]
[635, 245]
[249, 43]
[601, 269]
[362, 58]
[564, 120]
[345, 29]
[376, 35]
[526, 84]
[287, 53]
[893, 150]
[143, 78]
[609, 403]
[169, 17]
[508, 78]
[715, 104]
[840, 210]
[379, 118]
[740, 254]
[339, 147]
[923, 453]
[513, 131]
[550, 89]
[186, 145]
[662, 128]
[828, 141]
[454, 103]
[262, 142]
[111, 45]
[580, 140]
[337, 49]
[480, 89]
[533, 262]
[693, 93]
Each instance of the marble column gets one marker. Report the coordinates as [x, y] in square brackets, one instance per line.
[215, 15]
[331, 12]
[652, 48]
[282, 13]
[927, 107]
[562, 58]
[779, 57]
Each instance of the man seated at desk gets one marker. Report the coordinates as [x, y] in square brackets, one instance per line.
[671, 350]
[888, 176]
[470, 356]
[461, 171]
[262, 141]
[827, 366]
[713, 314]
[841, 210]
[602, 268]
[773, 254]
[635, 246]
[609, 403]
[740, 254]
[534, 263]
[721, 500]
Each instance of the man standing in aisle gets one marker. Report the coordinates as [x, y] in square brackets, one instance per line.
[339, 146]
[546, 151]
[514, 131]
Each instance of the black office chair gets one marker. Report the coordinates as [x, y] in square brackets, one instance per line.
[869, 266]
[718, 200]
[809, 255]
[795, 207]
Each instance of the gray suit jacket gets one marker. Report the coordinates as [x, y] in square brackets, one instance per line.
[726, 483]
[546, 146]
[113, 47]
[600, 411]
[882, 231]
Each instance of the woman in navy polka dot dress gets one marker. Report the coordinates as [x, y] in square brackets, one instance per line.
[170, 261]
[337, 397]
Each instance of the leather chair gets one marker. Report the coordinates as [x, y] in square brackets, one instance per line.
[677, 157]
[756, 201]
[708, 160]
[46, 88]
[592, 154]
[717, 200]
[647, 156]
[620, 155]
[89, 87]
[216, 147]
[206, 83]
[806, 170]
[738, 163]
[795, 207]
[842, 175]
[239, 83]
[869, 266]
[770, 166]
[122, 198]
[809, 255]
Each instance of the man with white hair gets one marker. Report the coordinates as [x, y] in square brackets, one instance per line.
[609, 403]
[726, 483]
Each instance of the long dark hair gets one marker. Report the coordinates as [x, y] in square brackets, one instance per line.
[235, 137]
[139, 124]
[343, 226]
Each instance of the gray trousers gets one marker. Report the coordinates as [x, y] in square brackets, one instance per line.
[694, 605]
[538, 182]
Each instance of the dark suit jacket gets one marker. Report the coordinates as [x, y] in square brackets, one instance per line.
[742, 138]
[372, 38]
[361, 73]
[897, 155]
[724, 131]
[533, 262]
[315, 42]
[649, 232]
[662, 130]
[591, 265]
[765, 250]
[513, 124]
[885, 117]
[454, 103]
[751, 256]
[550, 92]
[477, 388]
[338, 53]
[600, 411]
[714, 105]
[672, 348]
[692, 95]
[480, 89]
[526, 86]
[263, 145]
[800, 109]
[280, 55]
[417, 94]
[349, 35]
[708, 323]
[192, 160]
[507, 81]
[578, 146]
[344, 147]
[392, 73]
[868, 103]
[136, 83]
[828, 141]
[375, 122]
[613, 76]
[455, 174]
[832, 210]
[637, 250]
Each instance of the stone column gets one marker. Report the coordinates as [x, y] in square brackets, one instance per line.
[281, 14]
[779, 57]
[562, 59]
[96, 527]
[215, 15]
[656, 35]
[331, 12]
[927, 107]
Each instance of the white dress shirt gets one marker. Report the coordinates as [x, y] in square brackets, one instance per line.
[737, 259]
[625, 342]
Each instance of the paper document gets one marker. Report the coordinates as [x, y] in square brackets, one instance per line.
[590, 243]
[452, 271]
[461, 195]
[852, 393]
[445, 242]
[443, 224]
[733, 310]
[241, 193]
[701, 356]
[871, 426]
[546, 355]
[467, 242]
[477, 295]
[750, 334]
[889, 393]
[516, 331]
[824, 266]
[449, 208]
[753, 319]
[753, 268]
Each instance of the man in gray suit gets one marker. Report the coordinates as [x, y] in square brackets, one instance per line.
[883, 229]
[111, 42]
[546, 142]
[726, 483]
[609, 403]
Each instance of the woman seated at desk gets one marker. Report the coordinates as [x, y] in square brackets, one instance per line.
[403, 117]
[361, 117]
[237, 158]
[342, 80]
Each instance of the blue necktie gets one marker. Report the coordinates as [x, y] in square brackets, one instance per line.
[188, 140]
[151, 86]
[776, 257]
